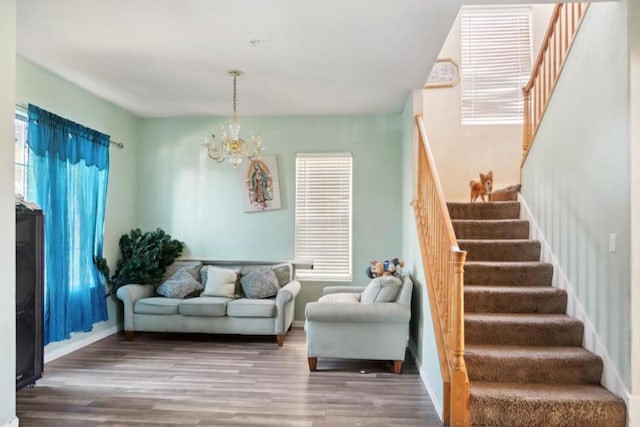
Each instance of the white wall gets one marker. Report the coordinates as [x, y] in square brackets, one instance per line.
[577, 182]
[634, 77]
[42, 88]
[462, 152]
[199, 201]
[7, 213]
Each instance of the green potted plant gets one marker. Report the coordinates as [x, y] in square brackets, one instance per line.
[144, 258]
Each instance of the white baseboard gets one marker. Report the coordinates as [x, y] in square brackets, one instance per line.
[611, 378]
[50, 356]
[437, 404]
[14, 422]
[633, 410]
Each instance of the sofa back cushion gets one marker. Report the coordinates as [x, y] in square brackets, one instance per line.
[221, 282]
[381, 289]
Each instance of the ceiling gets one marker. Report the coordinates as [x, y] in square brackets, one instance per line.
[159, 58]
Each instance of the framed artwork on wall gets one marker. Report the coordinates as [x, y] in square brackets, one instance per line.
[260, 184]
[445, 73]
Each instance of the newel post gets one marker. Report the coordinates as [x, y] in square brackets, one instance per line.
[459, 405]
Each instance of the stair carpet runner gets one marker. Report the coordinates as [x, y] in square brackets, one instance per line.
[524, 355]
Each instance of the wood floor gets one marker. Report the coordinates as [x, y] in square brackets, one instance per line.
[219, 380]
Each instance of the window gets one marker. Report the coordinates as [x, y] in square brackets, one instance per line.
[496, 64]
[21, 153]
[323, 215]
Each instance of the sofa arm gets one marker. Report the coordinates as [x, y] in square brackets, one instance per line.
[342, 289]
[285, 306]
[357, 312]
[129, 294]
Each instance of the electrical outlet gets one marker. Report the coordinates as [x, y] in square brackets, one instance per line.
[612, 242]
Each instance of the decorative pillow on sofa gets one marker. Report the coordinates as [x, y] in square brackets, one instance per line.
[261, 283]
[221, 282]
[381, 289]
[181, 284]
[193, 267]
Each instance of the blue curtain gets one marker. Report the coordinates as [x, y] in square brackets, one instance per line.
[68, 172]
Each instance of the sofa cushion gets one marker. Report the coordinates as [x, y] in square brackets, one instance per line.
[204, 306]
[381, 289]
[340, 297]
[246, 307]
[221, 282]
[180, 285]
[193, 267]
[261, 283]
[157, 305]
[283, 273]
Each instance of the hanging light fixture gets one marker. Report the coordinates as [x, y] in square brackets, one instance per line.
[232, 147]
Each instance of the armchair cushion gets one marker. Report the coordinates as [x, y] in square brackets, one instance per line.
[381, 289]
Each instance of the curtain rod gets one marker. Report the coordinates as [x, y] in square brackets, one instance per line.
[120, 145]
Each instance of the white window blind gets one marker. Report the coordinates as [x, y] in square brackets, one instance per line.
[496, 64]
[323, 215]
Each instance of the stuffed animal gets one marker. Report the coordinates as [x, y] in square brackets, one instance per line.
[385, 268]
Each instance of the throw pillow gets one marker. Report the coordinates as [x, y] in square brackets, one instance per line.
[181, 284]
[340, 297]
[221, 282]
[261, 283]
[381, 289]
[193, 267]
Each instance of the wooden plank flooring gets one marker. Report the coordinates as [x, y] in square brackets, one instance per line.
[220, 380]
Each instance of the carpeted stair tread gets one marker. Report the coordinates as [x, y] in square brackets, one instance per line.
[491, 229]
[524, 273]
[544, 405]
[526, 364]
[522, 329]
[501, 250]
[496, 210]
[514, 299]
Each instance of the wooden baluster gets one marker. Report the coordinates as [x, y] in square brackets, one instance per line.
[526, 127]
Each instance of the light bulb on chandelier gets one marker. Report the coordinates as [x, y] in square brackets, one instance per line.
[232, 147]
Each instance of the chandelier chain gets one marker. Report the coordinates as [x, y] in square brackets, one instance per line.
[235, 76]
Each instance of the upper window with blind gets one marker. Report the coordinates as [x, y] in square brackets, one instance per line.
[496, 64]
[323, 215]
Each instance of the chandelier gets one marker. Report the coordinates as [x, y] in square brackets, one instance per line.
[232, 147]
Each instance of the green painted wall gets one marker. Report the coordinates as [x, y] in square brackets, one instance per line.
[38, 86]
[7, 213]
[576, 179]
[199, 201]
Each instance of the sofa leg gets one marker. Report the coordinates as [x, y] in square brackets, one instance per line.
[280, 339]
[130, 335]
[313, 363]
[397, 366]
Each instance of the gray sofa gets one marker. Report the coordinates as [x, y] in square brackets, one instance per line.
[146, 311]
[354, 330]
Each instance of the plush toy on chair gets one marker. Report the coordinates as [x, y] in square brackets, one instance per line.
[384, 268]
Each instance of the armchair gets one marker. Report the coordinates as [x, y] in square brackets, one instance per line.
[354, 330]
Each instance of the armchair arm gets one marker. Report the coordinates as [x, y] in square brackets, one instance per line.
[285, 305]
[342, 289]
[129, 294]
[357, 312]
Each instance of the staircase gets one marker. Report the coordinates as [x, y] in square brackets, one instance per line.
[524, 357]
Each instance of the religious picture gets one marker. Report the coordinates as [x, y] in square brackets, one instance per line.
[262, 192]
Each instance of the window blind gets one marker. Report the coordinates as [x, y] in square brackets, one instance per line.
[323, 215]
[496, 64]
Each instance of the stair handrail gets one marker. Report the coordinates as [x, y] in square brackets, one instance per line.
[563, 26]
[443, 262]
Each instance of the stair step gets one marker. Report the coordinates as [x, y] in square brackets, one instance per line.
[491, 229]
[544, 405]
[501, 250]
[514, 299]
[496, 210]
[522, 329]
[530, 273]
[522, 364]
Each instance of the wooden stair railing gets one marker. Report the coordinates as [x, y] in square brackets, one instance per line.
[563, 26]
[443, 262]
